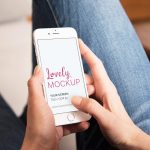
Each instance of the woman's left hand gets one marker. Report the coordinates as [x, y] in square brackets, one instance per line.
[41, 132]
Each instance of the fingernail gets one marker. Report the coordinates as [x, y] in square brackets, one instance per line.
[36, 70]
[81, 40]
[76, 100]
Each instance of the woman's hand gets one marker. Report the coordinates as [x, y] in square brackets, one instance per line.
[111, 116]
[41, 132]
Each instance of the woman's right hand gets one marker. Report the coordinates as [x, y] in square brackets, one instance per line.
[111, 116]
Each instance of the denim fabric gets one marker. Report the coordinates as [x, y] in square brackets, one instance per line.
[105, 28]
[11, 128]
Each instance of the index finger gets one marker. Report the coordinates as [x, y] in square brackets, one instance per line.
[98, 71]
[74, 128]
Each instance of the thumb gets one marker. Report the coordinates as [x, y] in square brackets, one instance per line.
[92, 107]
[35, 86]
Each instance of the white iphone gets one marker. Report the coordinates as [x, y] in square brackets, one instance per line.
[58, 54]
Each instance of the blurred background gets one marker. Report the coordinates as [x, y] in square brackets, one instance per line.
[139, 13]
[15, 48]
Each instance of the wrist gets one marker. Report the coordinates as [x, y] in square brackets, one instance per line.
[139, 140]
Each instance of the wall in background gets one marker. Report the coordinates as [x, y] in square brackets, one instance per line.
[14, 9]
[137, 10]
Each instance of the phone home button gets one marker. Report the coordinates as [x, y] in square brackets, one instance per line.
[71, 117]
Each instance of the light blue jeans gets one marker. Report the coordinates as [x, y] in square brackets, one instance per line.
[105, 28]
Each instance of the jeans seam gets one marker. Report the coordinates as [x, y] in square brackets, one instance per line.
[53, 13]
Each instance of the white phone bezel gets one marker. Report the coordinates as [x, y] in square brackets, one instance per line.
[51, 33]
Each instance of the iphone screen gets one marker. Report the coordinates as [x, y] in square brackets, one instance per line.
[63, 74]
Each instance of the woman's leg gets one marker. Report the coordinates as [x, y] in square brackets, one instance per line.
[11, 128]
[105, 28]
